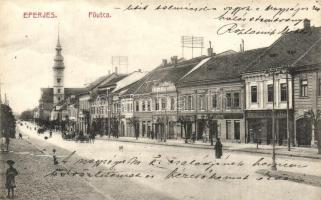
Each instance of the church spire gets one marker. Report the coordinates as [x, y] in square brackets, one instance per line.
[59, 59]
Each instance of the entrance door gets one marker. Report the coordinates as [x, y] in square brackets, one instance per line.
[303, 131]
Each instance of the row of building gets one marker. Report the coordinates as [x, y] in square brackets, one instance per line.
[236, 96]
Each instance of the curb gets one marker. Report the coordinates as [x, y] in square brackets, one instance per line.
[211, 147]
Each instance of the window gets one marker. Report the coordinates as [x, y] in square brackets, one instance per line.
[137, 106]
[214, 101]
[189, 102]
[201, 103]
[270, 92]
[58, 90]
[319, 86]
[156, 104]
[172, 103]
[163, 101]
[58, 98]
[58, 80]
[228, 100]
[236, 100]
[254, 94]
[148, 105]
[304, 88]
[143, 106]
[283, 89]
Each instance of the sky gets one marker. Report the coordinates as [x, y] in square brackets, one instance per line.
[27, 45]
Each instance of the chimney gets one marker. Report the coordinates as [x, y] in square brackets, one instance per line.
[164, 62]
[306, 25]
[242, 46]
[139, 70]
[210, 50]
[116, 70]
[174, 59]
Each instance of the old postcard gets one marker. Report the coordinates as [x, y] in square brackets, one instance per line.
[184, 100]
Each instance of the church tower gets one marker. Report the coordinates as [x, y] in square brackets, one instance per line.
[58, 69]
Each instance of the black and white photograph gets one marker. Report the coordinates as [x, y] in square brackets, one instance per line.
[160, 100]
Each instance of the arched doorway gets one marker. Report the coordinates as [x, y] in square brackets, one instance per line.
[303, 131]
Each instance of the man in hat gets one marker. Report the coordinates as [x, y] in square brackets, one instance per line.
[10, 178]
[218, 148]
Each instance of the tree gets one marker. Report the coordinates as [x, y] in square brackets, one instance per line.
[134, 122]
[8, 122]
[315, 117]
[184, 121]
[27, 115]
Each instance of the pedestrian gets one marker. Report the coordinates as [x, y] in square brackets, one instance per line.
[7, 142]
[54, 157]
[20, 136]
[193, 137]
[218, 148]
[10, 178]
[50, 134]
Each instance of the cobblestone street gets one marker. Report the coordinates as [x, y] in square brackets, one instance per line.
[32, 166]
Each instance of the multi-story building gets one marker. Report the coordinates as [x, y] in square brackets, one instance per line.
[212, 97]
[282, 82]
[155, 99]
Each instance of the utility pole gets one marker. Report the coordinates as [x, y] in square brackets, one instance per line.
[287, 111]
[273, 125]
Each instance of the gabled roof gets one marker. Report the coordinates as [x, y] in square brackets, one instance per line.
[311, 57]
[113, 81]
[221, 68]
[169, 73]
[287, 50]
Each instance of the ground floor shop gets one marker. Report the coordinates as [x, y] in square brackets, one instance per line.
[208, 127]
[260, 126]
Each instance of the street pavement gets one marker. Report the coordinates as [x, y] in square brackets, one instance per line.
[126, 170]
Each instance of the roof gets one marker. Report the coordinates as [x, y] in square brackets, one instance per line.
[287, 50]
[311, 57]
[168, 73]
[221, 68]
[47, 93]
[114, 80]
[128, 80]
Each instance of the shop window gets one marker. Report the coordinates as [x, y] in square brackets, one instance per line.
[283, 89]
[254, 94]
[58, 80]
[58, 91]
[304, 88]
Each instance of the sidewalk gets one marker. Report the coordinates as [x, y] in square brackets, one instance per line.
[32, 166]
[302, 152]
